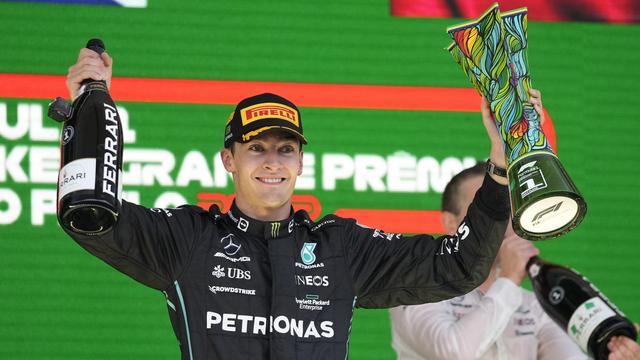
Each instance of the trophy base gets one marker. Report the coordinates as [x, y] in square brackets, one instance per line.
[544, 200]
[549, 214]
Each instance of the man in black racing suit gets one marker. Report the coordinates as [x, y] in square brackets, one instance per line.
[263, 282]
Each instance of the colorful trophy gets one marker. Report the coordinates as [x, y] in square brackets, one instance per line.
[492, 53]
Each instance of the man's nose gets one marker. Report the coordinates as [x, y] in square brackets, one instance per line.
[272, 160]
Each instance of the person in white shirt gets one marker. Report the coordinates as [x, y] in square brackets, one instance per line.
[498, 320]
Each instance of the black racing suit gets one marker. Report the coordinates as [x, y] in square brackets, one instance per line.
[238, 288]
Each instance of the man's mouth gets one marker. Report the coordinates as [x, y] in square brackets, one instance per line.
[270, 180]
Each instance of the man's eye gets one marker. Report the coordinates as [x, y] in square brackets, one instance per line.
[287, 149]
[255, 147]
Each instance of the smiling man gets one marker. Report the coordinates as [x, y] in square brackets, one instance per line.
[264, 282]
[263, 151]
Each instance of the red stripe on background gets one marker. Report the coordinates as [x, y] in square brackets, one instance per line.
[231, 92]
[398, 221]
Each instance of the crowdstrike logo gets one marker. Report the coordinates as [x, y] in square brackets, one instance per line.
[259, 325]
[231, 290]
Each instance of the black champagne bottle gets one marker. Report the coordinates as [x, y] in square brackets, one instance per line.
[578, 307]
[90, 179]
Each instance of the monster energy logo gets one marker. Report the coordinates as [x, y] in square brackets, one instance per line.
[275, 229]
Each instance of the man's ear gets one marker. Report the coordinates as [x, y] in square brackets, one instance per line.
[227, 160]
[300, 164]
[450, 222]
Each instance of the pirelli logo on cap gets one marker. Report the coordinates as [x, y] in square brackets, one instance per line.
[269, 111]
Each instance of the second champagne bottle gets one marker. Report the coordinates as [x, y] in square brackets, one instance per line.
[578, 307]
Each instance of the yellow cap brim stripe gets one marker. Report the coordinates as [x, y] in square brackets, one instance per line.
[250, 134]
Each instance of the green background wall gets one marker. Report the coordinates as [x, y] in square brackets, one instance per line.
[59, 302]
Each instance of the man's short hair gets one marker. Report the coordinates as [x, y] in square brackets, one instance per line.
[284, 134]
[451, 195]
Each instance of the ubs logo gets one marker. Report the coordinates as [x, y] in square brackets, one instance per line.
[231, 273]
[230, 248]
[235, 273]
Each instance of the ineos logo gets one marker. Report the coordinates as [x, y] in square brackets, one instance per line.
[230, 248]
[312, 280]
[556, 295]
[67, 134]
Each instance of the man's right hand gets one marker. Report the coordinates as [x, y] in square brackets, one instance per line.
[513, 256]
[90, 65]
[623, 348]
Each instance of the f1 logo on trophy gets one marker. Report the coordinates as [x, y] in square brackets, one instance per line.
[492, 53]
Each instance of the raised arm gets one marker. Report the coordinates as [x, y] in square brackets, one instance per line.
[150, 245]
[390, 269]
